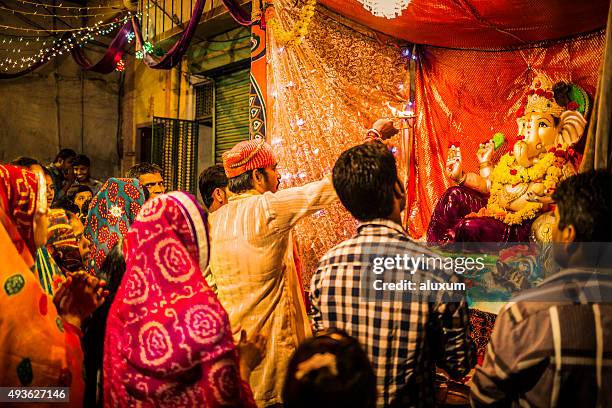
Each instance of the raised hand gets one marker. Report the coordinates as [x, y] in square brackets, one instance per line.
[78, 296]
[485, 151]
[386, 128]
[454, 164]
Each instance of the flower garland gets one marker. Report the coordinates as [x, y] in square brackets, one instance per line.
[299, 30]
[548, 171]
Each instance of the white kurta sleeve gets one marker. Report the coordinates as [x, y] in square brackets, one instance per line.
[286, 207]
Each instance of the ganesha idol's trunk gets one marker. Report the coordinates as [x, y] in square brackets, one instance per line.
[523, 154]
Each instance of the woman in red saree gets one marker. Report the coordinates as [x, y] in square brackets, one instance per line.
[38, 347]
[168, 339]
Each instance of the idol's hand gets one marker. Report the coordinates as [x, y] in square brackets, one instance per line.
[535, 198]
[386, 128]
[485, 151]
[454, 164]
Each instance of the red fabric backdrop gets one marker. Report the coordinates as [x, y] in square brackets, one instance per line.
[482, 24]
[468, 96]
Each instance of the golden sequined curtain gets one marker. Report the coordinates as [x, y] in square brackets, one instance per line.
[322, 97]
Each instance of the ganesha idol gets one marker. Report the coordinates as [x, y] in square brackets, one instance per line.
[510, 202]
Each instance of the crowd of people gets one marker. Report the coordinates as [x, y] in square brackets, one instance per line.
[134, 296]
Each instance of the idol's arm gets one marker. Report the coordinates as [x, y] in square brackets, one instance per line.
[476, 182]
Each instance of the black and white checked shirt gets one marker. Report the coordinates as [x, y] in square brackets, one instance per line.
[405, 334]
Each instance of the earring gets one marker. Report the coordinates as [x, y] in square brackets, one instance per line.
[539, 146]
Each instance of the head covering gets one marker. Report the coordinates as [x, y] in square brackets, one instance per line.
[540, 98]
[48, 270]
[247, 155]
[111, 213]
[20, 198]
[165, 320]
[62, 244]
[38, 347]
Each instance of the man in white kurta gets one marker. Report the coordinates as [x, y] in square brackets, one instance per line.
[252, 260]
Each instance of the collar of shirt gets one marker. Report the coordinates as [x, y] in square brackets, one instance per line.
[578, 273]
[248, 193]
[370, 227]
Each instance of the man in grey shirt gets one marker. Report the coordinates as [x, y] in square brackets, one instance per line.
[552, 345]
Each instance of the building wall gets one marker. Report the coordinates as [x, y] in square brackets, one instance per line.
[61, 106]
[170, 93]
[148, 93]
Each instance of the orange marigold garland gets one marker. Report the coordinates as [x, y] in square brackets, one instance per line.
[547, 170]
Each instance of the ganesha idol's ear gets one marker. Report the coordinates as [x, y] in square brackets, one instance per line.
[571, 127]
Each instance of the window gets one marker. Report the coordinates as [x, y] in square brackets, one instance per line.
[175, 149]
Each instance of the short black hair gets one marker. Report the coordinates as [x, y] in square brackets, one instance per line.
[210, 179]
[585, 201]
[139, 169]
[64, 154]
[113, 269]
[364, 177]
[24, 161]
[348, 381]
[244, 182]
[85, 210]
[81, 160]
[66, 204]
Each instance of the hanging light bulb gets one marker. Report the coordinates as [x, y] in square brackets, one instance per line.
[120, 67]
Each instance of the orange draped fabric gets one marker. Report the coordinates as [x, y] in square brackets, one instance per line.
[468, 96]
[482, 24]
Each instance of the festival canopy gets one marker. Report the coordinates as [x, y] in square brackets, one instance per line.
[482, 24]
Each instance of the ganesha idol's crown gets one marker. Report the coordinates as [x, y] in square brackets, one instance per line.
[541, 98]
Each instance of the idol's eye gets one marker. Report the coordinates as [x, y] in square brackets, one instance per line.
[543, 125]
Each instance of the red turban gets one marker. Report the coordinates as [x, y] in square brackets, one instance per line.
[247, 155]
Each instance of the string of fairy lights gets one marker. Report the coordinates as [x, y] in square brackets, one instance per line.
[49, 47]
[24, 46]
[117, 6]
[39, 13]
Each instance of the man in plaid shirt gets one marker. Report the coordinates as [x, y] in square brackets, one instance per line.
[405, 333]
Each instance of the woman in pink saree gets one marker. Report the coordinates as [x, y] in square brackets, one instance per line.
[168, 339]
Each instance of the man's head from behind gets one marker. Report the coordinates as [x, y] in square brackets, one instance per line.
[251, 165]
[213, 187]
[81, 165]
[330, 370]
[150, 177]
[583, 214]
[366, 181]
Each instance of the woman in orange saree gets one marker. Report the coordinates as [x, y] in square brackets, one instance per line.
[38, 347]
